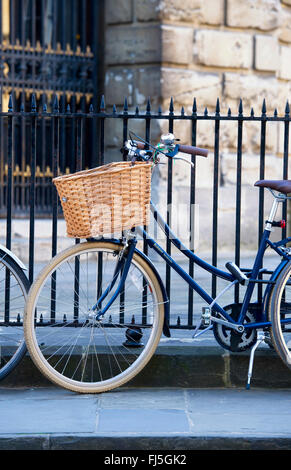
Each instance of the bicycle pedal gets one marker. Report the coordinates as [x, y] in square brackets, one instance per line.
[206, 317]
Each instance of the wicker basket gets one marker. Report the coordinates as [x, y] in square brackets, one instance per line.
[105, 200]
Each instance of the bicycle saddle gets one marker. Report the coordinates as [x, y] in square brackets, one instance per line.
[283, 186]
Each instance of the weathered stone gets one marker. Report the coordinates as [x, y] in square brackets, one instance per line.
[184, 85]
[135, 84]
[285, 30]
[252, 89]
[285, 63]
[261, 14]
[177, 44]
[167, 10]
[212, 12]
[118, 12]
[147, 84]
[131, 45]
[118, 84]
[224, 49]
[266, 53]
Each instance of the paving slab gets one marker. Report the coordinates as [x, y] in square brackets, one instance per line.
[145, 419]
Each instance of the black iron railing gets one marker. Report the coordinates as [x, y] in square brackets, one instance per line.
[68, 140]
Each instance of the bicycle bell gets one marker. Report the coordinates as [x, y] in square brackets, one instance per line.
[168, 140]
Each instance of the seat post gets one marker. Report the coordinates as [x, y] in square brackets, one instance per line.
[276, 202]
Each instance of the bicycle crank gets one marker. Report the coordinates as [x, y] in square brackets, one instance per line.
[235, 340]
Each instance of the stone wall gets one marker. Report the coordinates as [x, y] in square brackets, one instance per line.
[206, 49]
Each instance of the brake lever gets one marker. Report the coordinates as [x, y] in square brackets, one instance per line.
[175, 152]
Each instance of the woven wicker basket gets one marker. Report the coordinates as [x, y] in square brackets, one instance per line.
[105, 200]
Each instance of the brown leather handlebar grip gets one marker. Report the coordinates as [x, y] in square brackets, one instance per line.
[140, 145]
[193, 150]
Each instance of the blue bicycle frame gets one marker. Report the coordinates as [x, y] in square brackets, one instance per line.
[252, 274]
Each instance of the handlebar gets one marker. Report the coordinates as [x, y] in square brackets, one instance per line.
[181, 148]
[193, 150]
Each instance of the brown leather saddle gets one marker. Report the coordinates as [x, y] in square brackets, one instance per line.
[283, 186]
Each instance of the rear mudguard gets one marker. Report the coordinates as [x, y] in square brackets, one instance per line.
[269, 288]
[166, 328]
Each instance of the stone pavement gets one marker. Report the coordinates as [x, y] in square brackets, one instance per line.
[149, 419]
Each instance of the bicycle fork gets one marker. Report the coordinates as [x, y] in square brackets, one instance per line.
[122, 267]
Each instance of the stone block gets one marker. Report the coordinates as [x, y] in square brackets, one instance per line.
[147, 84]
[262, 14]
[252, 89]
[285, 63]
[266, 53]
[177, 44]
[184, 85]
[212, 12]
[285, 29]
[133, 45]
[118, 85]
[153, 10]
[118, 12]
[135, 84]
[224, 49]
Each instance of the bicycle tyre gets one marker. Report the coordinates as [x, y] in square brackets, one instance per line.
[280, 308]
[12, 354]
[53, 360]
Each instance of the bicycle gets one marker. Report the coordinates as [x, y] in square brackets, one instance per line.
[14, 286]
[108, 289]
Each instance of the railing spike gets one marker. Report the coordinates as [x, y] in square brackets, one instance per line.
[275, 112]
[252, 112]
[182, 111]
[240, 107]
[160, 111]
[91, 109]
[132, 320]
[22, 109]
[102, 104]
[205, 112]
[68, 108]
[10, 104]
[125, 106]
[44, 108]
[171, 107]
[114, 109]
[33, 103]
[264, 107]
[194, 107]
[148, 108]
[56, 104]
[217, 109]
[287, 108]
[137, 110]
[229, 112]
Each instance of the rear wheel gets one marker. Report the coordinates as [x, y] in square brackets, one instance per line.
[77, 349]
[14, 286]
[280, 308]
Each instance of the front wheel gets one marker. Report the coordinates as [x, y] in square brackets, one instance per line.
[280, 308]
[67, 340]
